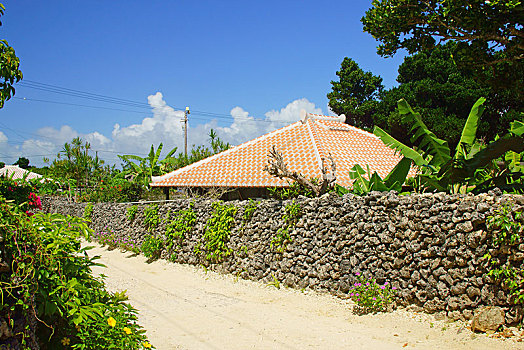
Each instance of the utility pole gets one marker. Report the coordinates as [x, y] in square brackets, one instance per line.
[186, 112]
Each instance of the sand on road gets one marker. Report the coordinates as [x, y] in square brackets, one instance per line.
[185, 307]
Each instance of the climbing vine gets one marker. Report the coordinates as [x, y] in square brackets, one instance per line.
[131, 212]
[151, 219]
[88, 211]
[291, 217]
[249, 210]
[218, 231]
[178, 228]
[507, 232]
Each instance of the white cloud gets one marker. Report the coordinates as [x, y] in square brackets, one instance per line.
[163, 126]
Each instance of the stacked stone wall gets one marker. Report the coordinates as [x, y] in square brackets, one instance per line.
[429, 246]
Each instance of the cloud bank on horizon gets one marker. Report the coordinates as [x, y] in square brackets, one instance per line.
[164, 126]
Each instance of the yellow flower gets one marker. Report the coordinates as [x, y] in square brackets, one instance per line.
[146, 345]
[111, 321]
[65, 341]
[127, 330]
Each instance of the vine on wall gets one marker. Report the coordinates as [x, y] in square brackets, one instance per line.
[178, 228]
[151, 219]
[505, 264]
[291, 217]
[218, 231]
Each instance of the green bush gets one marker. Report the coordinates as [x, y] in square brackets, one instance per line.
[131, 212]
[282, 237]
[217, 232]
[152, 247]
[370, 296]
[113, 189]
[50, 291]
[178, 228]
[151, 219]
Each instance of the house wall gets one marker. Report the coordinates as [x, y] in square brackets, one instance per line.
[429, 246]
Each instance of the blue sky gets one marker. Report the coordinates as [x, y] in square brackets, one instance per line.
[243, 67]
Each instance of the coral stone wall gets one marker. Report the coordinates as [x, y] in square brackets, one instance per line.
[429, 246]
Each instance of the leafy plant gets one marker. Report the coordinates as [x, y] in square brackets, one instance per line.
[131, 212]
[218, 231]
[49, 290]
[151, 219]
[439, 171]
[179, 227]
[507, 233]
[275, 283]
[88, 211]
[249, 210]
[393, 181]
[370, 296]
[152, 247]
[291, 217]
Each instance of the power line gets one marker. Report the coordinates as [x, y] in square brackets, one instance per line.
[120, 101]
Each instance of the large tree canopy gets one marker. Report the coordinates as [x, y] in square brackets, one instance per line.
[9, 68]
[355, 94]
[443, 93]
[485, 27]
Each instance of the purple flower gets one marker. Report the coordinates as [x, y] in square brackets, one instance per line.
[386, 283]
[394, 288]
[367, 284]
[383, 287]
[351, 294]
[374, 298]
[358, 274]
[356, 294]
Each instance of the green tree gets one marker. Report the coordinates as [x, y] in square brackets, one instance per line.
[483, 27]
[442, 92]
[9, 68]
[22, 162]
[355, 94]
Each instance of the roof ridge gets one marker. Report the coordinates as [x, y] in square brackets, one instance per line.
[318, 156]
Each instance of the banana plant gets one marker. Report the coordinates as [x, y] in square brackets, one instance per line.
[365, 182]
[146, 167]
[438, 169]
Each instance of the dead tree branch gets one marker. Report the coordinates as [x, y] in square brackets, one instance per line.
[277, 167]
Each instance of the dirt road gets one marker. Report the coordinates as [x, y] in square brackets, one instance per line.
[183, 307]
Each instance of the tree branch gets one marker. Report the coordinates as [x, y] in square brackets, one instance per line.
[277, 167]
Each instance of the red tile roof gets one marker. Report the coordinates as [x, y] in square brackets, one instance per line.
[302, 144]
[18, 173]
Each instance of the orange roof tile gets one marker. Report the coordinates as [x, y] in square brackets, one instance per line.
[302, 144]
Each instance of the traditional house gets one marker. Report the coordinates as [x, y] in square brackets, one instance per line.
[15, 172]
[303, 144]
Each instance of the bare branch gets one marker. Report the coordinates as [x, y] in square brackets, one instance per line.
[277, 167]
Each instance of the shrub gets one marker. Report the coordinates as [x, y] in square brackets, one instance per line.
[152, 247]
[151, 219]
[178, 228]
[131, 212]
[49, 290]
[370, 296]
[217, 232]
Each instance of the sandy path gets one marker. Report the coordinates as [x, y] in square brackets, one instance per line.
[183, 307]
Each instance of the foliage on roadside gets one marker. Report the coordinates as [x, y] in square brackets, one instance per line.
[506, 228]
[131, 212]
[48, 289]
[370, 296]
[152, 247]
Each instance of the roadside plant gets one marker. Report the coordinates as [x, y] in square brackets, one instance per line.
[218, 231]
[131, 212]
[88, 211]
[507, 233]
[152, 247]
[370, 296]
[393, 181]
[178, 228]
[49, 294]
[291, 217]
[151, 219]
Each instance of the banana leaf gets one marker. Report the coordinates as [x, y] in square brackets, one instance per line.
[428, 141]
[494, 150]
[398, 174]
[469, 132]
[398, 146]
